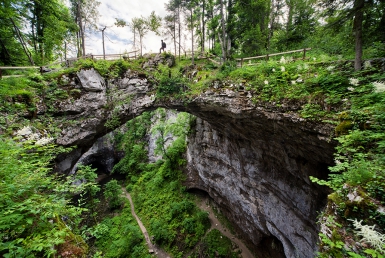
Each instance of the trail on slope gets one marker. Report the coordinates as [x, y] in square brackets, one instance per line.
[160, 253]
[216, 224]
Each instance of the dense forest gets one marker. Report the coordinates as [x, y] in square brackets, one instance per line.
[39, 32]
[341, 83]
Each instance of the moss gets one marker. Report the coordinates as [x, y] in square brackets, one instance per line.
[334, 197]
[73, 245]
[75, 93]
[343, 127]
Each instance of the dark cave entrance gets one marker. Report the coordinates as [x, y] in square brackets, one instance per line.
[271, 247]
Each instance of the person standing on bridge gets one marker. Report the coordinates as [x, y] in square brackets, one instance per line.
[163, 46]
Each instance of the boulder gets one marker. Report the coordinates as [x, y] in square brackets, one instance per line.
[91, 80]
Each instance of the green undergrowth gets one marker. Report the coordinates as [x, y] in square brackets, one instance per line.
[166, 209]
[214, 244]
[120, 236]
[316, 90]
[37, 218]
[223, 219]
[357, 181]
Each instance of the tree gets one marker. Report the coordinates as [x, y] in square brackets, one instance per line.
[173, 23]
[113, 194]
[251, 25]
[45, 38]
[188, 6]
[86, 14]
[43, 41]
[355, 10]
[142, 26]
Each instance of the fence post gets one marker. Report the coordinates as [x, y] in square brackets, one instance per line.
[242, 62]
[267, 57]
[1, 74]
[304, 54]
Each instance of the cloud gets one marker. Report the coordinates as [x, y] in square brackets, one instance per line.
[118, 40]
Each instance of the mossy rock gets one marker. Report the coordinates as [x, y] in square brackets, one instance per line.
[343, 127]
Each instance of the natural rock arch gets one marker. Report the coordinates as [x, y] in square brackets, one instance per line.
[255, 161]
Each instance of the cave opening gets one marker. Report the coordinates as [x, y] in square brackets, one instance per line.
[271, 247]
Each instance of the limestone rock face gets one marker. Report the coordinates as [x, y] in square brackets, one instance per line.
[102, 155]
[154, 61]
[254, 161]
[91, 80]
[261, 181]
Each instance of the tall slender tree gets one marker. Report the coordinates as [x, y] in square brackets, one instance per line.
[141, 26]
[355, 10]
[86, 16]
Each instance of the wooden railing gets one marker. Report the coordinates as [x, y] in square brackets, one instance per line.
[16, 68]
[125, 56]
[199, 55]
[242, 60]
[70, 61]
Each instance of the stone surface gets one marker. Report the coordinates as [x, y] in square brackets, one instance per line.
[102, 155]
[260, 179]
[91, 80]
[154, 60]
[254, 161]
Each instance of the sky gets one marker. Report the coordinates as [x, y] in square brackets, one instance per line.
[117, 39]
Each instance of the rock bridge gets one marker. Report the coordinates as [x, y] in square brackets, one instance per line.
[254, 161]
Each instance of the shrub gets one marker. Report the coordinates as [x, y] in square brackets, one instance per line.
[113, 193]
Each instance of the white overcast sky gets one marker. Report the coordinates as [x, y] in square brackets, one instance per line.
[118, 40]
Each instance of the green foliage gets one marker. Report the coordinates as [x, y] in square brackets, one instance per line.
[313, 111]
[160, 199]
[171, 154]
[86, 176]
[357, 177]
[170, 82]
[113, 121]
[216, 245]
[108, 69]
[120, 236]
[132, 143]
[113, 194]
[33, 204]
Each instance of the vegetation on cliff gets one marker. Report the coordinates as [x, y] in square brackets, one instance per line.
[45, 214]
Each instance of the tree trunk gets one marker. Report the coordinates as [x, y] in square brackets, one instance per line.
[192, 36]
[357, 26]
[104, 50]
[81, 29]
[382, 25]
[17, 31]
[6, 56]
[223, 39]
[271, 25]
[134, 40]
[179, 29]
[203, 26]
[229, 27]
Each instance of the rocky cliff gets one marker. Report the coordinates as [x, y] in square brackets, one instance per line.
[254, 161]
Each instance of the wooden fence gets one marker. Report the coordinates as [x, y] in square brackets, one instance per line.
[242, 60]
[125, 56]
[16, 68]
[69, 61]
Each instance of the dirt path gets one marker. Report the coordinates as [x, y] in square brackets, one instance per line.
[152, 248]
[215, 223]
